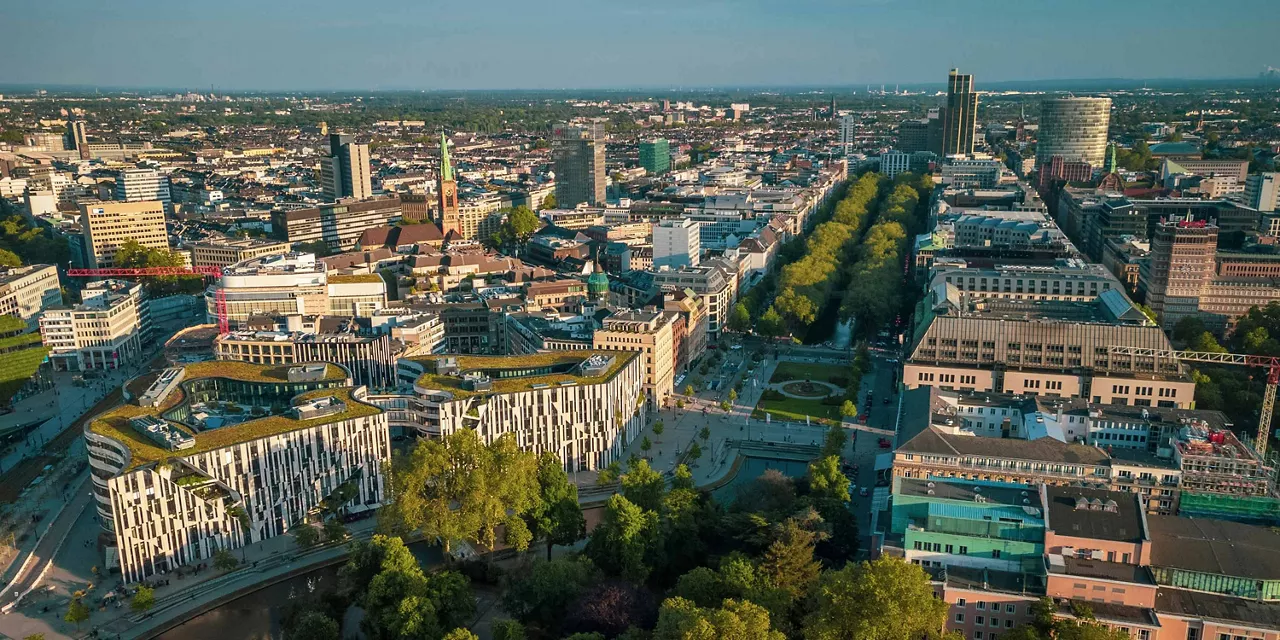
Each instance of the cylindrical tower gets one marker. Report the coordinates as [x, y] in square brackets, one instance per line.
[1074, 128]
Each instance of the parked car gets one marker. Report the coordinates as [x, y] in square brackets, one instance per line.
[885, 444]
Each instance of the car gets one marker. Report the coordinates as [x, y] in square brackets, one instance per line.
[863, 492]
[862, 418]
[736, 347]
[884, 443]
[887, 401]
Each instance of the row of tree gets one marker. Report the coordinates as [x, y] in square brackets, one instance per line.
[875, 279]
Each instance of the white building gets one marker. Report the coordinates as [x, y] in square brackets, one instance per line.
[25, 291]
[583, 406]
[1262, 191]
[293, 284]
[894, 162]
[849, 133]
[676, 243]
[174, 487]
[104, 331]
[141, 185]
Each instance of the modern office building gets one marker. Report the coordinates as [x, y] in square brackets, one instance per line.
[1073, 128]
[370, 359]
[344, 173]
[941, 522]
[1043, 347]
[26, 291]
[107, 225]
[447, 189]
[293, 284]
[218, 455]
[972, 174]
[583, 406]
[650, 333]
[224, 252]
[1071, 280]
[959, 115]
[143, 185]
[578, 155]
[677, 243]
[337, 224]
[104, 331]
[77, 138]
[894, 162]
[655, 157]
[1262, 191]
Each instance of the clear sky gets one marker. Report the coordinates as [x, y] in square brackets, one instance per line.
[551, 44]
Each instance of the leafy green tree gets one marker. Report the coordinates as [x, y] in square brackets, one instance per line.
[789, 563]
[224, 560]
[695, 452]
[143, 599]
[549, 202]
[508, 630]
[833, 442]
[848, 409]
[886, 598]
[313, 625]
[689, 390]
[334, 530]
[1149, 313]
[643, 486]
[771, 324]
[1188, 330]
[645, 445]
[1206, 342]
[618, 544]
[306, 536]
[77, 613]
[557, 516]
[403, 602]
[740, 318]
[658, 428]
[520, 224]
[542, 597]
[705, 433]
[680, 619]
[840, 544]
[733, 395]
[460, 634]
[9, 259]
[725, 406]
[827, 481]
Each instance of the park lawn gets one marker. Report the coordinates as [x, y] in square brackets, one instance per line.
[795, 410]
[810, 371]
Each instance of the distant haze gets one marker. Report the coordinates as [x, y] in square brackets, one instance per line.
[496, 44]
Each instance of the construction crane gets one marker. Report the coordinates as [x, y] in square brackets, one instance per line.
[219, 295]
[1271, 364]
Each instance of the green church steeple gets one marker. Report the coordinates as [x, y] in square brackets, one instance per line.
[446, 168]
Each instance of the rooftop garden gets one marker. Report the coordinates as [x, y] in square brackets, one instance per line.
[250, 372]
[114, 424]
[453, 384]
[355, 278]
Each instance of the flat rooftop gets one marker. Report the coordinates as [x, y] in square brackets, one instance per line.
[967, 491]
[516, 383]
[1239, 611]
[1217, 547]
[114, 423]
[1110, 515]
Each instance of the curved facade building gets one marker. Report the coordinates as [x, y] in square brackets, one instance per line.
[1074, 128]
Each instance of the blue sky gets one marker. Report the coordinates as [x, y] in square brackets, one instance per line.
[525, 44]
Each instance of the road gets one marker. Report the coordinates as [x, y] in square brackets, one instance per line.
[53, 535]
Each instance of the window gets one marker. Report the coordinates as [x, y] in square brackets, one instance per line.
[979, 620]
[977, 635]
[964, 550]
[959, 618]
[995, 553]
[960, 602]
[980, 605]
[1010, 608]
[995, 622]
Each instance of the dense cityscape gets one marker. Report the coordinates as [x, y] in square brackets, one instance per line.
[952, 360]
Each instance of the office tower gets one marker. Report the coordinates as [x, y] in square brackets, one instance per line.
[849, 133]
[958, 121]
[676, 243]
[344, 173]
[655, 157]
[104, 331]
[1182, 268]
[894, 162]
[141, 185]
[913, 136]
[107, 225]
[832, 113]
[340, 225]
[578, 153]
[448, 188]
[1074, 128]
[77, 138]
[1262, 191]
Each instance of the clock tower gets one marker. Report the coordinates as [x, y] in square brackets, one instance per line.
[448, 189]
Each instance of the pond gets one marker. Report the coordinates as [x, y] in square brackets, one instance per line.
[753, 466]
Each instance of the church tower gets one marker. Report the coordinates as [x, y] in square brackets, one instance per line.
[448, 189]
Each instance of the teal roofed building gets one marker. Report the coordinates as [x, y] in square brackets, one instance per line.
[943, 522]
[598, 284]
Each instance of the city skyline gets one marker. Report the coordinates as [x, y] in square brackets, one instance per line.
[403, 46]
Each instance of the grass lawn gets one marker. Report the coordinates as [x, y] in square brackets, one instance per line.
[794, 410]
[811, 371]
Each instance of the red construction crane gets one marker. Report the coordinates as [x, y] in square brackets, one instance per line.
[219, 295]
[1272, 365]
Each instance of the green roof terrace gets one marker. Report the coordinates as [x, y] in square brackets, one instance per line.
[511, 374]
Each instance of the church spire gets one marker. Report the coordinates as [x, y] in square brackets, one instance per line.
[446, 168]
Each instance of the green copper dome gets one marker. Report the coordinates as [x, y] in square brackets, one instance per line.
[598, 283]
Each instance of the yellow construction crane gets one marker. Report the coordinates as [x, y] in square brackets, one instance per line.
[1272, 365]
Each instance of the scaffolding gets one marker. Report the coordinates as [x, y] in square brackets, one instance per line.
[1262, 510]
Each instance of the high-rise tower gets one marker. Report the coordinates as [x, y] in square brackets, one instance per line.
[1074, 128]
[448, 188]
[344, 173]
[958, 117]
[77, 138]
[578, 154]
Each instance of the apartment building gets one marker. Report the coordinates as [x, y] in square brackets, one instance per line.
[649, 333]
[1008, 230]
[338, 224]
[689, 332]
[1069, 279]
[370, 359]
[104, 331]
[583, 406]
[144, 185]
[556, 295]
[178, 478]
[224, 252]
[718, 289]
[1052, 348]
[676, 243]
[26, 291]
[107, 225]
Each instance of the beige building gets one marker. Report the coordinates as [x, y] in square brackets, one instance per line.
[338, 224]
[294, 284]
[649, 333]
[107, 225]
[1050, 348]
[104, 331]
[225, 252]
[25, 291]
